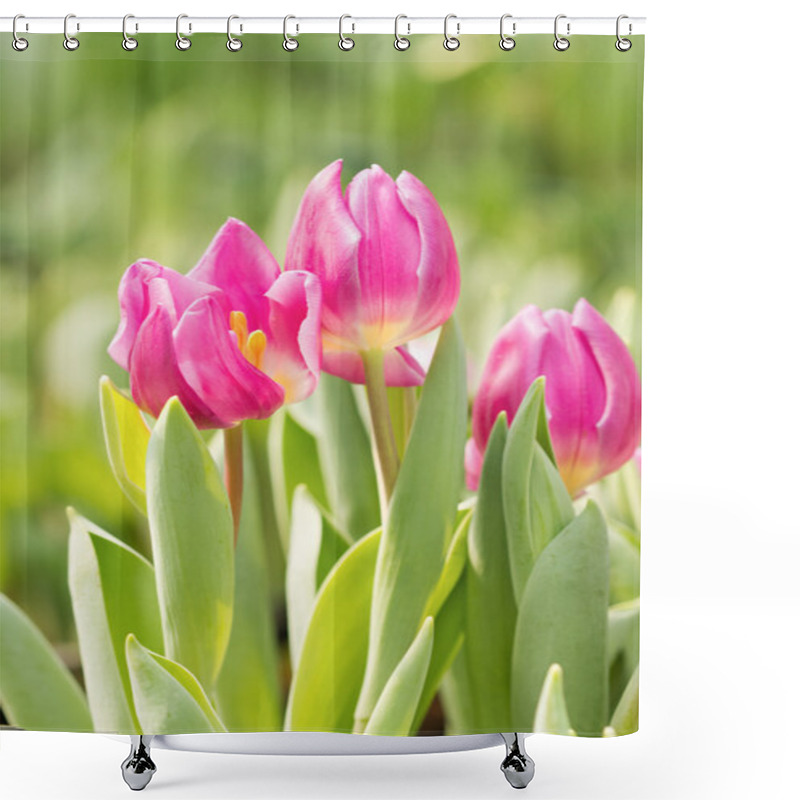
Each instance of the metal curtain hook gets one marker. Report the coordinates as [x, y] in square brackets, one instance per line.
[234, 44]
[70, 42]
[507, 42]
[18, 43]
[400, 42]
[451, 42]
[345, 42]
[623, 45]
[182, 43]
[128, 42]
[561, 44]
[290, 44]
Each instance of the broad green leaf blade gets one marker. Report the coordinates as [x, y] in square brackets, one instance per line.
[328, 676]
[456, 697]
[550, 504]
[623, 647]
[454, 563]
[127, 437]
[551, 710]
[293, 460]
[314, 547]
[394, 712]
[345, 457]
[624, 566]
[626, 716]
[563, 619]
[37, 691]
[491, 609]
[420, 518]
[168, 698]
[192, 534]
[520, 491]
[248, 694]
[113, 592]
[447, 642]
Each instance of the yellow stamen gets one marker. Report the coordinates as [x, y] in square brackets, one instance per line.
[238, 323]
[255, 346]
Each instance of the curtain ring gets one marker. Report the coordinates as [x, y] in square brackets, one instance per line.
[400, 42]
[182, 43]
[70, 42]
[451, 42]
[128, 42]
[345, 42]
[234, 44]
[507, 42]
[561, 44]
[18, 43]
[623, 45]
[290, 44]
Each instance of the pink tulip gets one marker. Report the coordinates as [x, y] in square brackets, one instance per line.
[388, 267]
[592, 391]
[234, 339]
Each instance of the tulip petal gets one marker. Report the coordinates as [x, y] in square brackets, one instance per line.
[325, 240]
[388, 257]
[473, 464]
[241, 265]
[135, 302]
[294, 347]
[619, 424]
[214, 367]
[399, 366]
[439, 279]
[155, 376]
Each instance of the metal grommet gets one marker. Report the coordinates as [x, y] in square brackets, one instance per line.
[128, 42]
[233, 44]
[290, 44]
[70, 42]
[18, 43]
[623, 45]
[182, 43]
[451, 42]
[506, 42]
[345, 42]
[561, 44]
[400, 42]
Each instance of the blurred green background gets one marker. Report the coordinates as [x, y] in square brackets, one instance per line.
[109, 156]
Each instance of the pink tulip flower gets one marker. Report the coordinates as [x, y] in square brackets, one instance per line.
[592, 391]
[234, 339]
[388, 267]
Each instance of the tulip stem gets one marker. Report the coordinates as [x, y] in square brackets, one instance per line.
[234, 474]
[378, 400]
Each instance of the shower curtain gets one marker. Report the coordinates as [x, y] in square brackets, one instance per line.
[320, 386]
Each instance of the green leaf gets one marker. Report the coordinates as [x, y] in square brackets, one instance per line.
[624, 564]
[331, 666]
[454, 563]
[248, 693]
[447, 643]
[113, 591]
[626, 716]
[37, 691]
[345, 456]
[192, 534]
[127, 436]
[394, 712]
[294, 460]
[420, 518]
[456, 697]
[551, 710]
[623, 647]
[168, 698]
[491, 610]
[314, 547]
[535, 502]
[563, 619]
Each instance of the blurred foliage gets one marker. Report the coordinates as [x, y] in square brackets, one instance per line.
[108, 156]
